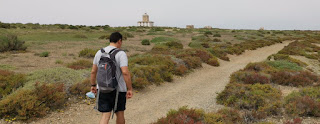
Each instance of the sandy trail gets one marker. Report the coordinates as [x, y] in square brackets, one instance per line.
[196, 90]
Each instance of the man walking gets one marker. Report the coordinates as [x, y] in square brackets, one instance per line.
[106, 101]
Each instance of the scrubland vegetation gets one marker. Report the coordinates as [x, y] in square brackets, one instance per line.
[252, 94]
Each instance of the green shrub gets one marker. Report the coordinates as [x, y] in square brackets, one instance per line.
[44, 54]
[163, 39]
[287, 58]
[6, 67]
[80, 88]
[216, 40]
[208, 33]
[87, 53]
[104, 37]
[59, 62]
[11, 42]
[150, 69]
[145, 42]
[82, 36]
[174, 45]
[299, 78]
[220, 53]
[162, 49]
[53, 75]
[303, 103]
[80, 64]
[195, 44]
[9, 82]
[126, 35]
[27, 104]
[284, 65]
[257, 97]
[201, 38]
[217, 35]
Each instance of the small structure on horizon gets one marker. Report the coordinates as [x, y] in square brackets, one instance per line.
[208, 27]
[261, 28]
[145, 21]
[190, 27]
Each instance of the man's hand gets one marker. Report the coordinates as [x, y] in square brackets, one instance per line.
[94, 89]
[129, 94]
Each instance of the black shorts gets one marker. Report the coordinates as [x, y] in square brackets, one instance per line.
[106, 101]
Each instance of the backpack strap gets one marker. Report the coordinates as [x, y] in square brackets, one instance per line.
[113, 53]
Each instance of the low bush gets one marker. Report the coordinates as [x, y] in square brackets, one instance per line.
[205, 45]
[44, 54]
[145, 42]
[220, 53]
[226, 116]
[80, 88]
[174, 45]
[201, 38]
[306, 102]
[59, 62]
[260, 67]
[82, 36]
[87, 53]
[185, 115]
[163, 39]
[180, 70]
[299, 78]
[53, 75]
[150, 69]
[11, 42]
[192, 62]
[287, 58]
[105, 37]
[284, 65]
[216, 40]
[9, 82]
[80, 64]
[249, 77]
[208, 33]
[213, 61]
[260, 98]
[126, 35]
[217, 35]
[27, 104]
[182, 116]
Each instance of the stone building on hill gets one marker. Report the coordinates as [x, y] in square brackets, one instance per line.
[145, 21]
[190, 26]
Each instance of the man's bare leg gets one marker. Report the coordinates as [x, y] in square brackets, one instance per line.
[105, 118]
[120, 117]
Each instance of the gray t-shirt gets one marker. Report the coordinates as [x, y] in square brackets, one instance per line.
[121, 59]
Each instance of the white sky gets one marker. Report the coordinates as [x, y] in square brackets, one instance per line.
[231, 14]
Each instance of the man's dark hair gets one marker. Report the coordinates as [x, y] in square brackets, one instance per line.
[115, 37]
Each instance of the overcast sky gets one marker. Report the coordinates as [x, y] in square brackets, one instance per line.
[230, 14]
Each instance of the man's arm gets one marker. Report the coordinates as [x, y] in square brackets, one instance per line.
[93, 78]
[127, 79]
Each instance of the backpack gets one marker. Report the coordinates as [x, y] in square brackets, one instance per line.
[106, 75]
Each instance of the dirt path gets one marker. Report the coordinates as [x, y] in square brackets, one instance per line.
[196, 90]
